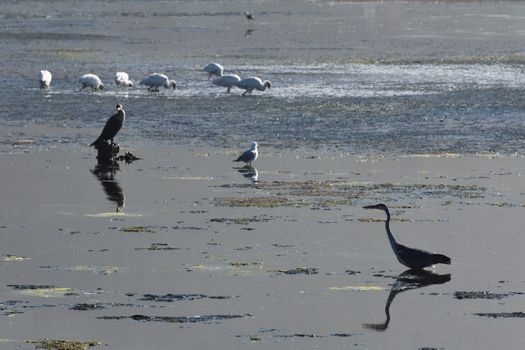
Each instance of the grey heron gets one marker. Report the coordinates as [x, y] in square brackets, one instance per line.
[410, 257]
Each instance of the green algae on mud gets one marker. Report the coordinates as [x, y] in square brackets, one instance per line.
[206, 319]
[54, 344]
[329, 193]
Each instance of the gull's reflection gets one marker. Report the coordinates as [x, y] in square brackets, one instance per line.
[249, 172]
[410, 279]
[249, 32]
[105, 173]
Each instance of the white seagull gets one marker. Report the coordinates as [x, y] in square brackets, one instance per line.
[249, 155]
[252, 83]
[45, 79]
[122, 79]
[156, 80]
[214, 69]
[92, 81]
[226, 81]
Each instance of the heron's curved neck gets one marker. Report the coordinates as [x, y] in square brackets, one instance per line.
[391, 238]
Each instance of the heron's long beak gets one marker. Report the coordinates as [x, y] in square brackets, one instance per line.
[375, 206]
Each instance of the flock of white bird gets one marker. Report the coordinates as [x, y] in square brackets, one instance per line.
[156, 80]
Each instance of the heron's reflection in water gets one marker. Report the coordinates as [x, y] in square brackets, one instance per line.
[105, 173]
[410, 279]
[249, 172]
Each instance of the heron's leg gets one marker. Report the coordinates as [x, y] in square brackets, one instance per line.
[228, 90]
[244, 93]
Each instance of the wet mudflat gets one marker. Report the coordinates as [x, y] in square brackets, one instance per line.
[417, 105]
[186, 261]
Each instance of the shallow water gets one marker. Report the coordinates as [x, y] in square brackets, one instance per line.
[415, 104]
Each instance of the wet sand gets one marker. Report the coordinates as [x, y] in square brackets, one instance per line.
[201, 256]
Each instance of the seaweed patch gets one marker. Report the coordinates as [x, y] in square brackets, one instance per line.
[208, 319]
[298, 271]
[460, 295]
[52, 344]
[169, 298]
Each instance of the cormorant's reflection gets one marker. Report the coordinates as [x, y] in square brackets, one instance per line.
[410, 279]
[105, 173]
[249, 172]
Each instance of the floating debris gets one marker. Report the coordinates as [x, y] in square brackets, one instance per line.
[87, 307]
[13, 258]
[159, 246]
[50, 344]
[111, 214]
[298, 271]
[460, 295]
[101, 270]
[361, 288]
[243, 221]
[257, 337]
[169, 298]
[138, 229]
[518, 314]
[177, 319]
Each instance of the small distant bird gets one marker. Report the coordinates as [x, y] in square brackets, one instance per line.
[122, 79]
[44, 78]
[227, 81]
[249, 155]
[253, 83]
[249, 16]
[410, 257]
[156, 80]
[112, 127]
[214, 69]
[92, 81]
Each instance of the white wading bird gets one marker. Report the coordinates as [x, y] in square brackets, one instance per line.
[92, 81]
[156, 80]
[253, 83]
[214, 69]
[249, 155]
[122, 79]
[44, 79]
[226, 81]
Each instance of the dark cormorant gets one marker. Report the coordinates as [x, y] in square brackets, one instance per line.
[112, 126]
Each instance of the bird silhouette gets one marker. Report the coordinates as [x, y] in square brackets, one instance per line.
[410, 279]
[410, 257]
[112, 127]
[249, 16]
